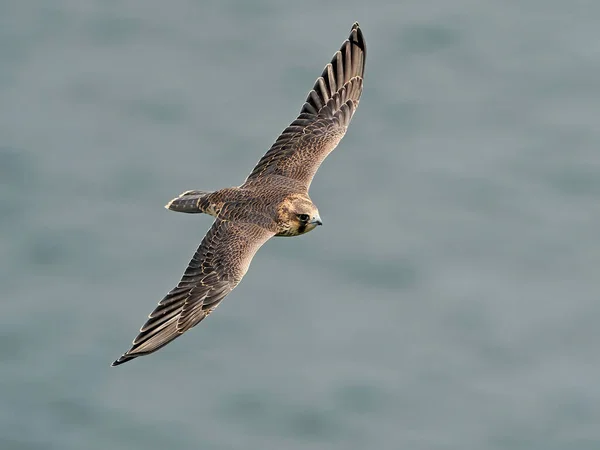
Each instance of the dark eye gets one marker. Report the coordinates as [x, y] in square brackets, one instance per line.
[303, 217]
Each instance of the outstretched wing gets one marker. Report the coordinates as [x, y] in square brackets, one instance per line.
[324, 118]
[216, 268]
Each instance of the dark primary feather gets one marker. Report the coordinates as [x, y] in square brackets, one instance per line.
[302, 147]
[216, 268]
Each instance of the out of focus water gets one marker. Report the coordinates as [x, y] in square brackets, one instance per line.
[451, 301]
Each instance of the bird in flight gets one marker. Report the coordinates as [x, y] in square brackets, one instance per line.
[273, 201]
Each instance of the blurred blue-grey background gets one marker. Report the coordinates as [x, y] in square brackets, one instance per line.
[451, 301]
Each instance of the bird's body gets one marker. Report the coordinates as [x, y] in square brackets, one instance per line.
[273, 201]
[255, 202]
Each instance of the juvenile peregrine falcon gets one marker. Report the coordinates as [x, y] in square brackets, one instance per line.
[273, 201]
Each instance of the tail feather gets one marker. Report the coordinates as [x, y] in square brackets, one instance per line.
[188, 202]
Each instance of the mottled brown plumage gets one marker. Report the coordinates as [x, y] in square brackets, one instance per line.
[273, 201]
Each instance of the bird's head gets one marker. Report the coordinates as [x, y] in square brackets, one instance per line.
[297, 215]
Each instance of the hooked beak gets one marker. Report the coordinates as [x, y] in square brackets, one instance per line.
[316, 221]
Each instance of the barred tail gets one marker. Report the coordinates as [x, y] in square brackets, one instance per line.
[188, 202]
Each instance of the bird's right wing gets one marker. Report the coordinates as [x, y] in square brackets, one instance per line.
[215, 270]
[324, 118]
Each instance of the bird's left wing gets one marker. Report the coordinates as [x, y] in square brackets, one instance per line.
[324, 118]
[215, 270]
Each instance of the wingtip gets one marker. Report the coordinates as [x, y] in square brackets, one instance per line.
[117, 362]
[123, 359]
[356, 36]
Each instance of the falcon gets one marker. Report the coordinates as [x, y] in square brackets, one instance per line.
[273, 201]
